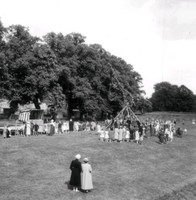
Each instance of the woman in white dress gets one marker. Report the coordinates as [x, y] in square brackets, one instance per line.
[86, 176]
[28, 128]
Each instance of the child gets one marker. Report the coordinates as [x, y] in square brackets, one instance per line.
[167, 135]
[98, 128]
[137, 136]
[102, 134]
[110, 135]
[141, 138]
[106, 136]
[127, 136]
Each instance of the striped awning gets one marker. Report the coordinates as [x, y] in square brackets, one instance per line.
[24, 116]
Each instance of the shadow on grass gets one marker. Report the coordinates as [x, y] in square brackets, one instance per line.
[69, 187]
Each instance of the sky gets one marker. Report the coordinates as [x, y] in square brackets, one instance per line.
[157, 37]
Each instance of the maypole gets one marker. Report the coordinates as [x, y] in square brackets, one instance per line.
[126, 111]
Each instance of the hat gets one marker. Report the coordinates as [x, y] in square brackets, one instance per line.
[78, 156]
[85, 159]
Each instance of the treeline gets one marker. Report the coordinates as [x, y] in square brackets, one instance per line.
[69, 74]
[65, 72]
[168, 97]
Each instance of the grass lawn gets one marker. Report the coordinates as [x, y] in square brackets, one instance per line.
[37, 167]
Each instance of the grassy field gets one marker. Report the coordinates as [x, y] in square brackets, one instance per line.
[37, 167]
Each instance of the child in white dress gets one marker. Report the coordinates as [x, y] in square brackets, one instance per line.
[106, 136]
[137, 136]
[127, 136]
[101, 134]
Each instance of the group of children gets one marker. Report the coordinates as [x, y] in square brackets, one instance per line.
[126, 130]
[122, 131]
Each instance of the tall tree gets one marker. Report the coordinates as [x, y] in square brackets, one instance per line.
[30, 69]
[64, 70]
[168, 97]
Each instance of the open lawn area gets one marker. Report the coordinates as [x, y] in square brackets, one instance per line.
[37, 167]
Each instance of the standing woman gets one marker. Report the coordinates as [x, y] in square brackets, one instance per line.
[5, 131]
[28, 128]
[71, 125]
[52, 127]
[120, 133]
[116, 129]
[76, 169]
[86, 176]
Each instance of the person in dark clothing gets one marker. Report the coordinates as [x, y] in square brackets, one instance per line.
[36, 128]
[132, 132]
[71, 125]
[60, 128]
[179, 132]
[76, 168]
[161, 136]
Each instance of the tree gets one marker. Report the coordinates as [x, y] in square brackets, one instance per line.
[85, 75]
[185, 99]
[168, 97]
[30, 69]
[65, 71]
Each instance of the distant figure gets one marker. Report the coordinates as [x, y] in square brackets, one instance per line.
[52, 127]
[179, 132]
[28, 128]
[86, 176]
[98, 128]
[137, 135]
[76, 126]
[76, 168]
[66, 126]
[106, 136]
[60, 127]
[93, 126]
[5, 131]
[120, 132]
[36, 128]
[116, 129]
[71, 125]
[127, 135]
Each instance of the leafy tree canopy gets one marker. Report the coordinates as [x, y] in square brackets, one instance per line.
[168, 97]
[66, 71]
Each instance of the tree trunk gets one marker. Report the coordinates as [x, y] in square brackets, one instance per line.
[36, 103]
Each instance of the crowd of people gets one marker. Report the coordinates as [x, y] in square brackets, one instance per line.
[117, 130]
[51, 127]
[127, 130]
[61, 127]
[26, 129]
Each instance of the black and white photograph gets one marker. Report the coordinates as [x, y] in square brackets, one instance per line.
[97, 100]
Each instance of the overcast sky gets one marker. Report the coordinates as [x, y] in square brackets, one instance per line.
[158, 37]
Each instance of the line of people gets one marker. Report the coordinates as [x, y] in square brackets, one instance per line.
[122, 131]
[126, 130]
[68, 126]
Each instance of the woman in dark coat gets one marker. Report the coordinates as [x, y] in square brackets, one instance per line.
[71, 125]
[76, 169]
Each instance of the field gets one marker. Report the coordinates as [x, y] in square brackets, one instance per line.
[37, 167]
